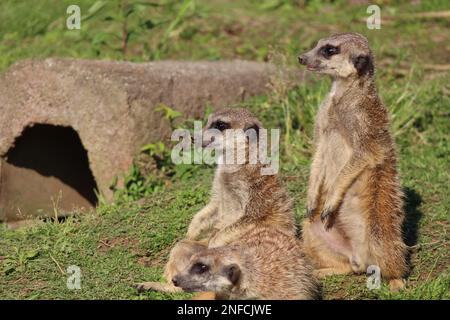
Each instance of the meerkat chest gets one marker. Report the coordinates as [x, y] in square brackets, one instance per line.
[329, 116]
[322, 121]
[335, 152]
[331, 143]
[232, 202]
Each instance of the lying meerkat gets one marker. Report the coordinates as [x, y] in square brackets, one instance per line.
[261, 264]
[355, 201]
[179, 258]
[241, 198]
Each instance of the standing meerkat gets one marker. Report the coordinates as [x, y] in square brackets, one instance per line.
[355, 201]
[261, 264]
[242, 197]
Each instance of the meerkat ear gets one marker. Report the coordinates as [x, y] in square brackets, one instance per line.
[363, 64]
[255, 126]
[233, 273]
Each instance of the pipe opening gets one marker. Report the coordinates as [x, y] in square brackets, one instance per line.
[47, 165]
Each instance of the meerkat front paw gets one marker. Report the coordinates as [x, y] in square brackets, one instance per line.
[310, 212]
[327, 218]
[156, 286]
[141, 287]
[329, 210]
[191, 235]
[311, 206]
[325, 214]
[194, 231]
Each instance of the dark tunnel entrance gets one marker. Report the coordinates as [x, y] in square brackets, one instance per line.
[47, 166]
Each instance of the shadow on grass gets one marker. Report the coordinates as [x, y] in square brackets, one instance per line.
[413, 200]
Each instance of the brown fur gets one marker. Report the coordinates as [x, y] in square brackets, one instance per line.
[262, 199]
[241, 195]
[241, 199]
[178, 260]
[261, 264]
[355, 202]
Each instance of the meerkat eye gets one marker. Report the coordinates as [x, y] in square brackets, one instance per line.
[220, 125]
[199, 268]
[328, 50]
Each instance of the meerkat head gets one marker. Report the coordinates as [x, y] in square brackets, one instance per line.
[210, 270]
[342, 55]
[241, 121]
[183, 251]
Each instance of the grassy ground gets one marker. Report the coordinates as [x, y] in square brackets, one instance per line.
[128, 241]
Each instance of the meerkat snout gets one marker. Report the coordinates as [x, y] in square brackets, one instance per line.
[208, 141]
[301, 59]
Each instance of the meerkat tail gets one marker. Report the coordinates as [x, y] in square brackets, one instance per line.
[204, 296]
[387, 247]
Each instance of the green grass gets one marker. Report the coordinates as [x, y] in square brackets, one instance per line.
[128, 241]
[117, 246]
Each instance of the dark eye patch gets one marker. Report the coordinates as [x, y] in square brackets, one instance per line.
[199, 268]
[220, 125]
[328, 50]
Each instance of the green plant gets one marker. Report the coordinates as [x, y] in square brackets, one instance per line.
[169, 114]
[187, 9]
[153, 167]
[19, 260]
[137, 185]
[131, 16]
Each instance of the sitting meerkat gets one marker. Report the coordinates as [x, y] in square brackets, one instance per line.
[242, 197]
[264, 264]
[355, 201]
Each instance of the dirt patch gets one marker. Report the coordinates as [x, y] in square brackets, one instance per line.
[158, 259]
[127, 243]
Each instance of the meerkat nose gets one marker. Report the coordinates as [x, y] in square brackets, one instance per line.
[175, 281]
[302, 59]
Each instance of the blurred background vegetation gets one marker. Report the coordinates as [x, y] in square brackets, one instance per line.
[140, 30]
[128, 241]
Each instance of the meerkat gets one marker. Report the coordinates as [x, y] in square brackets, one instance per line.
[261, 264]
[179, 258]
[242, 197]
[354, 200]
